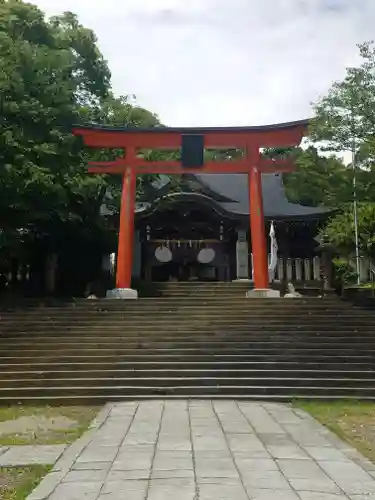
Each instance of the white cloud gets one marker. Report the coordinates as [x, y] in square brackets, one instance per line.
[225, 62]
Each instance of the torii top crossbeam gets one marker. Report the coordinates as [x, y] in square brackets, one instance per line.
[192, 142]
[251, 139]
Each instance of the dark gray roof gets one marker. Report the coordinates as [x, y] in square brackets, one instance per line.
[276, 204]
[228, 194]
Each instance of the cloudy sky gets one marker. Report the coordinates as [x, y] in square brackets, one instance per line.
[225, 62]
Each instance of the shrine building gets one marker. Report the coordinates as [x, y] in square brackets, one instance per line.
[202, 232]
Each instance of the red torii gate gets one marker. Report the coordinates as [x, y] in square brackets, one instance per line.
[192, 142]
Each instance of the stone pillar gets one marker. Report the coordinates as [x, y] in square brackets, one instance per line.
[327, 269]
[106, 274]
[137, 255]
[289, 270]
[364, 270]
[316, 268]
[106, 263]
[307, 269]
[242, 255]
[298, 264]
[51, 271]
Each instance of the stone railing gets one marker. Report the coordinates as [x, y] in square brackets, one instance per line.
[365, 268]
[297, 269]
[302, 270]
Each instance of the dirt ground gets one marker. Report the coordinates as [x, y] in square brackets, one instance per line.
[44, 424]
[17, 482]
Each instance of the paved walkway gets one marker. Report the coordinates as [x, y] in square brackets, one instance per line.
[204, 450]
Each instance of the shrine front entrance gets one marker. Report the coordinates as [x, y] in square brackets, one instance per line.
[187, 241]
[186, 260]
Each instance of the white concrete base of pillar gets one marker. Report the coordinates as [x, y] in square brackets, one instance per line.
[263, 293]
[122, 294]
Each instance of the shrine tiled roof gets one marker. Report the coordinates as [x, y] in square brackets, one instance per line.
[235, 187]
[228, 194]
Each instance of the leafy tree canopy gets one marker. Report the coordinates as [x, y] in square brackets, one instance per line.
[339, 231]
[52, 75]
[345, 121]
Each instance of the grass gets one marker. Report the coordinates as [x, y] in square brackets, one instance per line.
[44, 424]
[352, 421]
[17, 482]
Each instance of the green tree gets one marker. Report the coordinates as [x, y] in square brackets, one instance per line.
[317, 179]
[53, 75]
[345, 121]
[345, 117]
[41, 83]
[339, 231]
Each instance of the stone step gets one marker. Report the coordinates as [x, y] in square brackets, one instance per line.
[202, 326]
[255, 366]
[211, 330]
[245, 332]
[217, 345]
[214, 298]
[240, 305]
[348, 336]
[293, 321]
[181, 372]
[170, 383]
[100, 399]
[185, 391]
[180, 316]
[162, 301]
[221, 312]
[200, 310]
[367, 358]
[113, 350]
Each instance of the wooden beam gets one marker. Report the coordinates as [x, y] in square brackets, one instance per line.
[174, 167]
[143, 167]
[158, 139]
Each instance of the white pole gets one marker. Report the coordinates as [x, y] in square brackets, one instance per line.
[355, 211]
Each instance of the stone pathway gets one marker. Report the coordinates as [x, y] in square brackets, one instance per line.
[206, 450]
[13, 456]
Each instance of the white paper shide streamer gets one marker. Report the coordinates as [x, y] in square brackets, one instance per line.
[274, 250]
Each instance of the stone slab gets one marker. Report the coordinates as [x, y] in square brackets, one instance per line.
[122, 294]
[263, 293]
[3, 449]
[31, 455]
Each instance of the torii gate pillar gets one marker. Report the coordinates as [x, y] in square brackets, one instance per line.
[258, 238]
[123, 288]
[257, 228]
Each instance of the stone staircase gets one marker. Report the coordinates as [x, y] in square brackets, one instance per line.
[198, 340]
